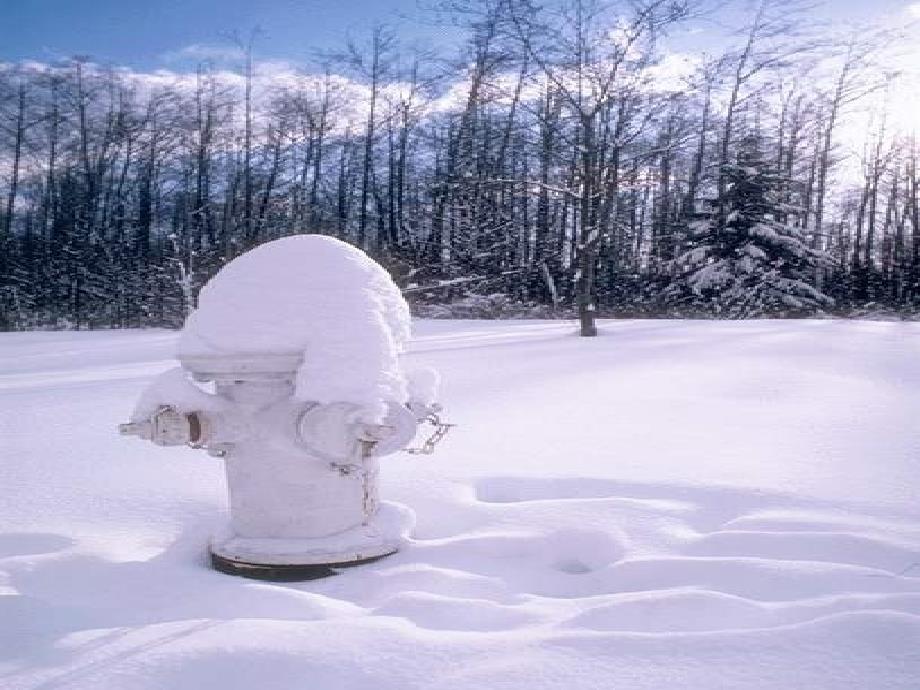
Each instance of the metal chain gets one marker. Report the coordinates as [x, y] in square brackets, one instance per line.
[440, 431]
[359, 470]
[362, 451]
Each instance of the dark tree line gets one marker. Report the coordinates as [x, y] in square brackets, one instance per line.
[557, 165]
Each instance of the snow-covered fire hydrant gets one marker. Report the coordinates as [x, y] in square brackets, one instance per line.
[299, 342]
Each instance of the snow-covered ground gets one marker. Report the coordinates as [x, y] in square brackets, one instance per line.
[690, 505]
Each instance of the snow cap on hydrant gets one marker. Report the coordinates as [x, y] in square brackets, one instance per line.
[313, 296]
[301, 338]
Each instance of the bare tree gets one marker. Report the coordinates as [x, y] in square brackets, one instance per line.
[591, 54]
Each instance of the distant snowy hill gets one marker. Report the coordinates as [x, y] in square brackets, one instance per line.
[687, 505]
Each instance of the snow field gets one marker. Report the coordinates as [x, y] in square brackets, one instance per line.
[670, 505]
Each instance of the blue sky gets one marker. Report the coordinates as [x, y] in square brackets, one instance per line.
[153, 33]
[172, 33]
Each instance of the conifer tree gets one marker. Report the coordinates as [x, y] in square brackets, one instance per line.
[746, 259]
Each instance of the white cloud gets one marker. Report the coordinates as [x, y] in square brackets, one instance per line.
[203, 52]
[269, 78]
[914, 10]
[673, 71]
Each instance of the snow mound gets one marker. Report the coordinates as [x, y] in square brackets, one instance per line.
[314, 295]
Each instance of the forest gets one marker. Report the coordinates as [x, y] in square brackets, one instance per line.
[556, 159]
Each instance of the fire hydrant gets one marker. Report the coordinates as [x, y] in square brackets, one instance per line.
[298, 341]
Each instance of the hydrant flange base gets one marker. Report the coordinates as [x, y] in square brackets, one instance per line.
[284, 573]
[385, 532]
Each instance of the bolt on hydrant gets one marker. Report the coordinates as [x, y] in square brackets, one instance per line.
[290, 372]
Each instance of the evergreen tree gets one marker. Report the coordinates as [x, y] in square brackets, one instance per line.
[746, 259]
